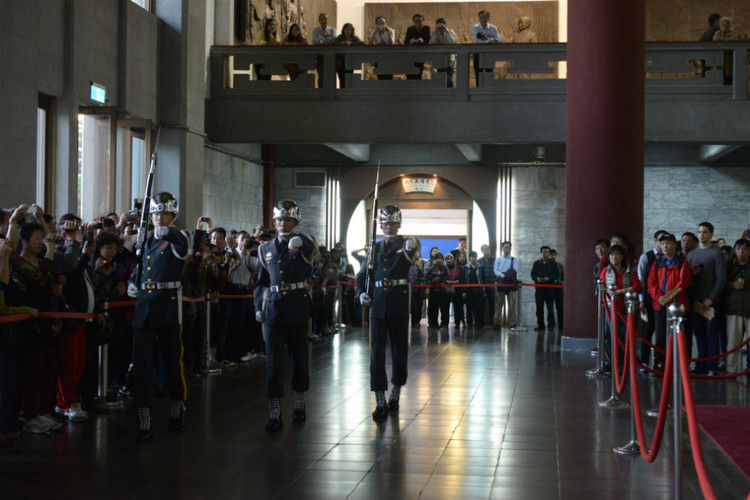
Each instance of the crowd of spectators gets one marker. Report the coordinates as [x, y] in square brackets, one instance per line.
[472, 305]
[49, 368]
[704, 274]
[420, 34]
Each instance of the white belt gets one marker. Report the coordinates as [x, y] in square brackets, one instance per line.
[162, 285]
[286, 287]
[387, 283]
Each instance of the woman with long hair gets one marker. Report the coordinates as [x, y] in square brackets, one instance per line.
[267, 36]
[294, 37]
[348, 38]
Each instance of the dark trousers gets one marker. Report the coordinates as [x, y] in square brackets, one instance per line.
[559, 306]
[381, 330]
[235, 328]
[707, 338]
[621, 334]
[40, 377]
[438, 303]
[255, 339]
[449, 71]
[10, 379]
[193, 339]
[88, 386]
[648, 328]
[293, 340]
[417, 297]
[660, 337]
[489, 296]
[458, 306]
[545, 296]
[120, 350]
[477, 71]
[475, 308]
[169, 339]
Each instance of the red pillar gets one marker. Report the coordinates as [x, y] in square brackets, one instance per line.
[604, 173]
[267, 157]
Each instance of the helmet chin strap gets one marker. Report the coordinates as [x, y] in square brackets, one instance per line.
[285, 234]
[389, 236]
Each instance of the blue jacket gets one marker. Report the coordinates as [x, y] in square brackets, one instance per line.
[391, 263]
[281, 266]
[163, 260]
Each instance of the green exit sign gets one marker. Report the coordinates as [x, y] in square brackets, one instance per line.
[98, 93]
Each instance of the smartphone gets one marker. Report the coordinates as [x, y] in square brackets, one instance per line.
[205, 219]
[90, 238]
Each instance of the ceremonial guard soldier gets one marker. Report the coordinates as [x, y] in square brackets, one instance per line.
[283, 305]
[389, 312]
[158, 313]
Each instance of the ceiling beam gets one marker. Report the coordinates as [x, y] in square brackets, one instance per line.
[472, 152]
[710, 153]
[356, 152]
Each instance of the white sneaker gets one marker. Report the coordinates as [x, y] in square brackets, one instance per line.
[36, 426]
[60, 411]
[77, 414]
[49, 420]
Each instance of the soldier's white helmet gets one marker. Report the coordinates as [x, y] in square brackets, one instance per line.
[164, 203]
[390, 214]
[287, 209]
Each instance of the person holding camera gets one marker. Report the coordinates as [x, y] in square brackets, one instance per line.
[382, 35]
[485, 33]
[444, 35]
[158, 314]
[417, 34]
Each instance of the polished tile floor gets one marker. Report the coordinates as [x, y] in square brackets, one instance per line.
[485, 415]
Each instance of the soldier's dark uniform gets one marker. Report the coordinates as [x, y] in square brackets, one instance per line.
[286, 310]
[283, 304]
[389, 311]
[157, 318]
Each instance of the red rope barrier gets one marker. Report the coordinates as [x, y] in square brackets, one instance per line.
[695, 438]
[649, 454]
[621, 380]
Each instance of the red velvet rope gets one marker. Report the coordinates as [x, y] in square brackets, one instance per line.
[695, 438]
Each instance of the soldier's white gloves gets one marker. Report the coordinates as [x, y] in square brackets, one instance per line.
[259, 316]
[364, 299]
[160, 232]
[411, 244]
[132, 290]
[295, 242]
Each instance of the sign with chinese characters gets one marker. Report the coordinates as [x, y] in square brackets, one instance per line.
[419, 184]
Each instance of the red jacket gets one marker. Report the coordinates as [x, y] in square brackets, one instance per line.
[678, 275]
[635, 282]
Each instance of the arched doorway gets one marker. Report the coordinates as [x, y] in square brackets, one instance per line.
[435, 210]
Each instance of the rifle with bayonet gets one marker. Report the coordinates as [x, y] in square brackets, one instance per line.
[146, 212]
[371, 246]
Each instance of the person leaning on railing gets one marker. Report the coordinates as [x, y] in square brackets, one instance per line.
[382, 35]
[294, 37]
[267, 36]
[347, 38]
[443, 35]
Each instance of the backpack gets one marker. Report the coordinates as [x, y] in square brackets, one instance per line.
[511, 277]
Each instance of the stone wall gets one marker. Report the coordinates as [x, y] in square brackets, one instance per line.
[232, 191]
[678, 198]
[538, 218]
[311, 201]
